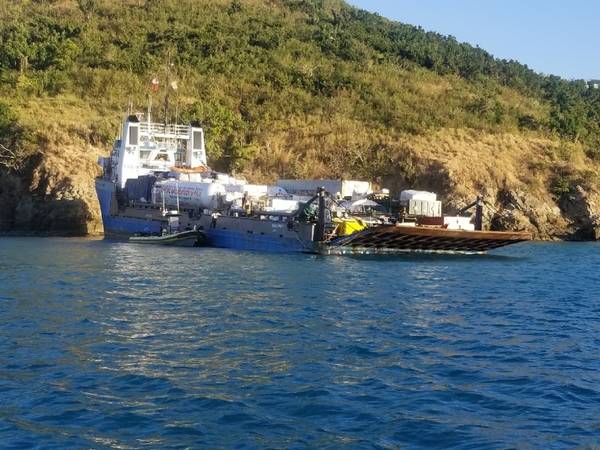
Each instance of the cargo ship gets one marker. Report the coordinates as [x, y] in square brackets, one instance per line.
[157, 182]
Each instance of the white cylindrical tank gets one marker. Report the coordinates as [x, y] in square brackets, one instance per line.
[190, 194]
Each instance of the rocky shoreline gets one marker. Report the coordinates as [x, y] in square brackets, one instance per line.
[67, 207]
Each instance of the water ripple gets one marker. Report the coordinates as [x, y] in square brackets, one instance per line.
[120, 346]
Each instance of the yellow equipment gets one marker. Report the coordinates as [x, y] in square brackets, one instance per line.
[348, 226]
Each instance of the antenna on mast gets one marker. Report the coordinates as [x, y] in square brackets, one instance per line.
[167, 86]
[149, 110]
[155, 86]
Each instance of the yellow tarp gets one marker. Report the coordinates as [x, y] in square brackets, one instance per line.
[349, 226]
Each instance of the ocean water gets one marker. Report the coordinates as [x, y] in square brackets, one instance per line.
[113, 345]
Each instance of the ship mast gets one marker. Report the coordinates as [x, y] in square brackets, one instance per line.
[167, 86]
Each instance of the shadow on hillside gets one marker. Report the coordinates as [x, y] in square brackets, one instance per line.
[33, 216]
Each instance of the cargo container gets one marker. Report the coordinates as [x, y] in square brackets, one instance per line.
[345, 188]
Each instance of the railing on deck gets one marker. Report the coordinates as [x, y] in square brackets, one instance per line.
[168, 131]
[164, 165]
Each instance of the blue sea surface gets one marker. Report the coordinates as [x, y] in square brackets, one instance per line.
[113, 345]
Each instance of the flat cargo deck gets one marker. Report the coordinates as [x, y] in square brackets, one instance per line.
[405, 238]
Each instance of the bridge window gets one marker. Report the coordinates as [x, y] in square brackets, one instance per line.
[133, 135]
[197, 135]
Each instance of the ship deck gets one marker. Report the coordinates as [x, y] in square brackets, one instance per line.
[401, 238]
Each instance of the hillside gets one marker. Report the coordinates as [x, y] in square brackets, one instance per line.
[288, 88]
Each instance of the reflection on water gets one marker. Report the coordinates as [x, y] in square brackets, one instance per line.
[124, 346]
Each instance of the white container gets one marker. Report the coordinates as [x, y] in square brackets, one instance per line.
[228, 179]
[234, 188]
[345, 188]
[425, 208]
[408, 195]
[459, 223]
[255, 190]
[282, 205]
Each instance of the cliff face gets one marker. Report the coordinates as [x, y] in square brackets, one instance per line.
[50, 199]
[53, 193]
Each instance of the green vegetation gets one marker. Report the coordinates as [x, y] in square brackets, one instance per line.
[264, 75]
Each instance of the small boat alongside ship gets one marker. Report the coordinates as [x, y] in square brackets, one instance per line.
[190, 238]
[154, 167]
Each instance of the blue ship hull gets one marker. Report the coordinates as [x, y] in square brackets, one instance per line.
[243, 241]
[118, 225]
[130, 226]
[121, 226]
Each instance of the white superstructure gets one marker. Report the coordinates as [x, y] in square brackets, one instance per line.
[147, 147]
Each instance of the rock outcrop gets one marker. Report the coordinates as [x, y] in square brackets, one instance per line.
[53, 194]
